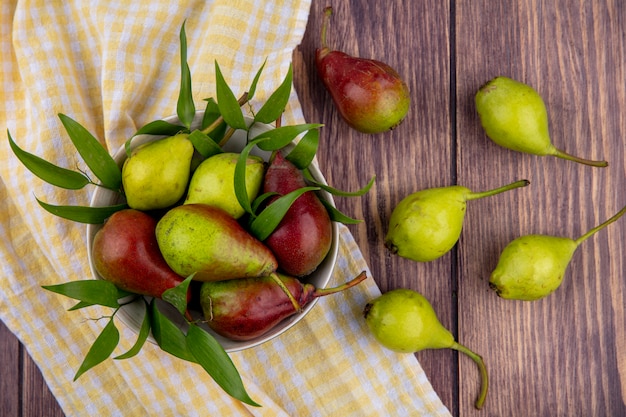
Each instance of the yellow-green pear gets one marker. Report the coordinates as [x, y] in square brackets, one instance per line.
[156, 174]
[533, 266]
[403, 320]
[206, 241]
[425, 225]
[213, 183]
[514, 116]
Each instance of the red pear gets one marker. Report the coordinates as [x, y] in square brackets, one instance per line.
[242, 309]
[369, 94]
[125, 252]
[303, 237]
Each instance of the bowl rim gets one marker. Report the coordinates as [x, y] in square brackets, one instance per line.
[132, 314]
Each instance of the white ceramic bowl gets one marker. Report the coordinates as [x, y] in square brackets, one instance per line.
[132, 314]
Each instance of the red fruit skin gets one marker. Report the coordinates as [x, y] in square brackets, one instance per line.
[304, 236]
[125, 252]
[243, 309]
[369, 94]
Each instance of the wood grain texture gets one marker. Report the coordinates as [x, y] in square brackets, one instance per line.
[9, 373]
[560, 356]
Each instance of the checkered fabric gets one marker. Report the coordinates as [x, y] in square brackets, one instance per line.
[114, 66]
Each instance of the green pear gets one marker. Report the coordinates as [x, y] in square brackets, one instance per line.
[208, 242]
[156, 174]
[514, 116]
[425, 225]
[213, 182]
[533, 266]
[403, 320]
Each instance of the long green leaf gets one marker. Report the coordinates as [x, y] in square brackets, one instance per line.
[94, 291]
[216, 362]
[82, 214]
[334, 191]
[304, 152]
[93, 153]
[177, 296]
[168, 335]
[50, 173]
[241, 192]
[255, 81]
[144, 332]
[267, 221]
[185, 107]
[282, 136]
[101, 349]
[337, 216]
[276, 103]
[205, 145]
[227, 102]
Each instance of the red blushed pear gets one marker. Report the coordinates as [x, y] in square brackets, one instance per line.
[369, 94]
[243, 309]
[126, 253]
[304, 236]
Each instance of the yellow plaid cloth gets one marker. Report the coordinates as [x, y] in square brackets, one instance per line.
[114, 66]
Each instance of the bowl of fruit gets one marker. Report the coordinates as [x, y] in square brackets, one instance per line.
[253, 266]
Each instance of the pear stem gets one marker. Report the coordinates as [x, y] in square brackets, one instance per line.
[229, 134]
[564, 155]
[601, 226]
[516, 184]
[328, 11]
[320, 292]
[281, 284]
[484, 376]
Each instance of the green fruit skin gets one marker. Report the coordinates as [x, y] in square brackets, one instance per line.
[404, 321]
[425, 225]
[532, 267]
[514, 116]
[213, 182]
[207, 241]
[156, 174]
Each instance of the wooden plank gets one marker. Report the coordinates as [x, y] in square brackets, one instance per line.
[412, 37]
[37, 400]
[562, 355]
[10, 376]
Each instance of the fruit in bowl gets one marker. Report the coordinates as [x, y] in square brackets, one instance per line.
[144, 198]
[179, 254]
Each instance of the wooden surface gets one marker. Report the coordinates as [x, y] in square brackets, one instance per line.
[560, 356]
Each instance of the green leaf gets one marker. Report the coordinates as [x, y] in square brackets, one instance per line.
[144, 332]
[338, 216]
[168, 335]
[82, 214]
[94, 291]
[204, 144]
[267, 221]
[334, 191]
[216, 362]
[79, 305]
[282, 136]
[101, 348]
[255, 81]
[304, 152]
[275, 105]
[177, 296]
[261, 199]
[227, 102]
[241, 191]
[185, 107]
[93, 153]
[50, 173]
[156, 128]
